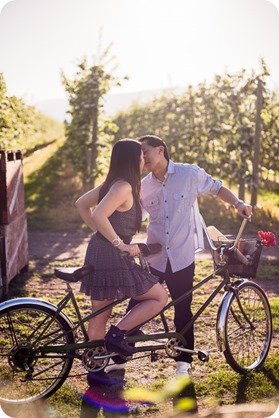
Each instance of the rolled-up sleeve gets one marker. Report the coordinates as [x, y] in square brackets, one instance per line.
[207, 184]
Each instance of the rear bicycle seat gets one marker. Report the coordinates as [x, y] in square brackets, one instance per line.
[73, 274]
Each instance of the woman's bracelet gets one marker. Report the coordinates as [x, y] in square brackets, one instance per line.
[117, 241]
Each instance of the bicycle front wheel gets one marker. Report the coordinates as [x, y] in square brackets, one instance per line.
[27, 374]
[248, 328]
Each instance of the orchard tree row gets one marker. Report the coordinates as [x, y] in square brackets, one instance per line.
[21, 126]
[214, 125]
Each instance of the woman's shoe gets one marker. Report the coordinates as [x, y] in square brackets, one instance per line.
[123, 359]
[115, 341]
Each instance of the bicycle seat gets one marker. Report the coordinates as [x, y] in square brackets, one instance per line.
[148, 249]
[73, 274]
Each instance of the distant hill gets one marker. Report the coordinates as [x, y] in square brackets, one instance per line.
[57, 108]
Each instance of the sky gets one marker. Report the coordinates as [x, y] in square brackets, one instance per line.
[157, 43]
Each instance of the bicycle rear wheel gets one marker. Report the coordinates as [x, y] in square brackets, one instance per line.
[248, 328]
[26, 374]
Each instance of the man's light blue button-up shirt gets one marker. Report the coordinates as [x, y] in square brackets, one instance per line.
[173, 213]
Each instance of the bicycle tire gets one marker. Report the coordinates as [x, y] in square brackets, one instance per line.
[26, 374]
[247, 343]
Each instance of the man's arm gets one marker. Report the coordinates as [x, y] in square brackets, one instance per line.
[244, 209]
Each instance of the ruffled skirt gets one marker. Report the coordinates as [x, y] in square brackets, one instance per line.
[115, 275]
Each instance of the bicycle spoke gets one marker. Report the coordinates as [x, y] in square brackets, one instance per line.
[248, 328]
[25, 374]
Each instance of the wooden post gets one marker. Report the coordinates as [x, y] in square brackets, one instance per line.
[256, 157]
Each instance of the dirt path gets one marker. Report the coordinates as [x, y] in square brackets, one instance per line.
[69, 246]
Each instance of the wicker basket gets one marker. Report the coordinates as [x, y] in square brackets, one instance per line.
[237, 264]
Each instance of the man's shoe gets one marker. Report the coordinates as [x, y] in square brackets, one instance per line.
[115, 341]
[183, 369]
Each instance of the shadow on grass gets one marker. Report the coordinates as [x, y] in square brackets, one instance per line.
[17, 287]
[258, 385]
[105, 396]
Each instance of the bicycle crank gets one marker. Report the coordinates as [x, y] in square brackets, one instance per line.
[95, 358]
[174, 347]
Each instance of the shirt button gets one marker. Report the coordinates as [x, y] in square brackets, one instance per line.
[167, 217]
[167, 233]
[165, 201]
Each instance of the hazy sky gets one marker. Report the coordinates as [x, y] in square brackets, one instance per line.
[157, 43]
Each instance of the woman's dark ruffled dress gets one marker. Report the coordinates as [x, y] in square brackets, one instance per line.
[115, 275]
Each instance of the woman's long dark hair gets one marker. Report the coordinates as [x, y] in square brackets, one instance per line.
[125, 164]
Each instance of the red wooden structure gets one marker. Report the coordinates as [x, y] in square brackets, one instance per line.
[13, 222]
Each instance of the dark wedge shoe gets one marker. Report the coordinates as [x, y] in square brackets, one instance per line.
[123, 359]
[115, 341]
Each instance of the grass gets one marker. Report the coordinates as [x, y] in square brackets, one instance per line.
[224, 385]
[274, 304]
[268, 269]
[51, 188]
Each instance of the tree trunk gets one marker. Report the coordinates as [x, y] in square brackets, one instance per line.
[242, 174]
[241, 189]
[257, 144]
[94, 143]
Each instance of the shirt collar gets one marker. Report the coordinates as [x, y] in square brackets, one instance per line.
[170, 170]
[171, 167]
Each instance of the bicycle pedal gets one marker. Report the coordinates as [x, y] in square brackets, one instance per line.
[203, 356]
[154, 357]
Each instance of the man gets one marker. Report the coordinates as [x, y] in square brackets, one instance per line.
[169, 195]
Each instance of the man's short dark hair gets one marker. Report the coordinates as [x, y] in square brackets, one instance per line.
[154, 141]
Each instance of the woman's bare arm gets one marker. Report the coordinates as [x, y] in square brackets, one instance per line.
[119, 197]
[84, 205]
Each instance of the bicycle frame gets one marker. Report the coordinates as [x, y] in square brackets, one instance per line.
[80, 324]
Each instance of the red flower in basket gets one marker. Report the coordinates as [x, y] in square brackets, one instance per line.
[268, 238]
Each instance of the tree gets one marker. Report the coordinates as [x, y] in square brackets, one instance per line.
[22, 126]
[88, 132]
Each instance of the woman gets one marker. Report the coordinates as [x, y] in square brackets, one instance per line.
[116, 218]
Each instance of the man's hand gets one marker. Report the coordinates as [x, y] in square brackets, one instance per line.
[244, 210]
